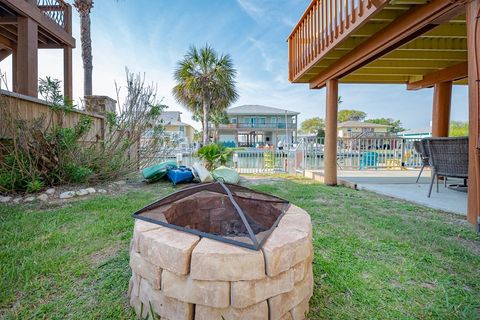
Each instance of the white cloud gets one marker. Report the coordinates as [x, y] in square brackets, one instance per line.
[252, 9]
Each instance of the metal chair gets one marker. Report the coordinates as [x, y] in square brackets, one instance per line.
[448, 158]
[421, 149]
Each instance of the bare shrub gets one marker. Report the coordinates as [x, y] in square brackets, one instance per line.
[44, 151]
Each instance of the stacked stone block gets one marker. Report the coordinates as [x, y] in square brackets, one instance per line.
[184, 276]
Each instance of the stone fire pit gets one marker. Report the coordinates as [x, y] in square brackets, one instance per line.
[186, 276]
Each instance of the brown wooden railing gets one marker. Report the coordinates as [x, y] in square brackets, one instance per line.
[322, 25]
[58, 11]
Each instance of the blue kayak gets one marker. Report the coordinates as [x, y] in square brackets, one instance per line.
[181, 174]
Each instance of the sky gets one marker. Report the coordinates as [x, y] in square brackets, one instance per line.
[150, 36]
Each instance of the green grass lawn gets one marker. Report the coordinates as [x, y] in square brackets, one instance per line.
[375, 258]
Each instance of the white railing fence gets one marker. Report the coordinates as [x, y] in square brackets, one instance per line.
[352, 154]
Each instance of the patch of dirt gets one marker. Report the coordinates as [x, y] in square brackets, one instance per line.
[429, 285]
[104, 255]
[259, 180]
[469, 244]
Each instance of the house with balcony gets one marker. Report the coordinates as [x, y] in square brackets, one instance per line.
[418, 43]
[176, 129]
[252, 125]
[27, 26]
[360, 129]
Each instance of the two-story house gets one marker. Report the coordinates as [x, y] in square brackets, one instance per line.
[252, 125]
[360, 129]
[173, 126]
[175, 129]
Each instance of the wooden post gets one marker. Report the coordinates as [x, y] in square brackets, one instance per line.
[14, 68]
[473, 34]
[442, 99]
[26, 71]
[330, 154]
[67, 73]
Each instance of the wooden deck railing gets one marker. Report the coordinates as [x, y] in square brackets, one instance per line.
[320, 28]
[58, 11]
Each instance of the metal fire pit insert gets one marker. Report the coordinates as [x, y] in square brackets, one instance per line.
[220, 211]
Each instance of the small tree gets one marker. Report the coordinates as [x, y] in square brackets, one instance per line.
[205, 80]
[351, 115]
[314, 126]
[394, 126]
[458, 129]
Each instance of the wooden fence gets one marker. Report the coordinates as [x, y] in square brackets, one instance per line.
[20, 107]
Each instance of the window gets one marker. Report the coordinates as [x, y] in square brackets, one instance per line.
[262, 120]
[233, 120]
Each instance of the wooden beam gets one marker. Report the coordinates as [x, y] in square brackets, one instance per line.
[473, 33]
[8, 20]
[6, 41]
[442, 99]
[452, 73]
[399, 32]
[27, 57]
[67, 73]
[30, 10]
[331, 112]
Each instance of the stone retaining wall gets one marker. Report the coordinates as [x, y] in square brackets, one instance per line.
[184, 276]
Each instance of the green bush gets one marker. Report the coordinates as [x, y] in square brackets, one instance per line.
[34, 186]
[214, 155]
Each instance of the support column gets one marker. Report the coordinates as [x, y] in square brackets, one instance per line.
[14, 68]
[26, 70]
[473, 34]
[330, 152]
[67, 73]
[442, 99]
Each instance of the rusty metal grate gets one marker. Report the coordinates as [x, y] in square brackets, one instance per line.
[220, 211]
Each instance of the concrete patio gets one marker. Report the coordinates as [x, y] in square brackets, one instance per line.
[401, 184]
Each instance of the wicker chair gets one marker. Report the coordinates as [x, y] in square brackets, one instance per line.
[448, 158]
[421, 149]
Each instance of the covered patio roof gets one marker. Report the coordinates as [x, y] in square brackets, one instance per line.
[418, 43]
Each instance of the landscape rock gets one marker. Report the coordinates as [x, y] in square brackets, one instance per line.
[90, 190]
[120, 183]
[208, 293]
[167, 248]
[255, 312]
[50, 191]
[247, 293]
[67, 195]
[5, 199]
[29, 199]
[165, 307]
[146, 270]
[43, 197]
[81, 192]
[17, 200]
[214, 260]
[102, 191]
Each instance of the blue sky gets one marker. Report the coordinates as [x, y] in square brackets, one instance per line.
[150, 36]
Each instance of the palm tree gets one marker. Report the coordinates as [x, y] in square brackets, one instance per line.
[205, 81]
[84, 7]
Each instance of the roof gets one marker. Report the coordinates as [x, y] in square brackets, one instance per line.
[361, 124]
[426, 130]
[254, 109]
[171, 118]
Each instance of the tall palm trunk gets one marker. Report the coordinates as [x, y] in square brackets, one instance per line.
[84, 7]
[206, 106]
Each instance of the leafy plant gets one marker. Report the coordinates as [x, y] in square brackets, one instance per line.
[213, 155]
[34, 186]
